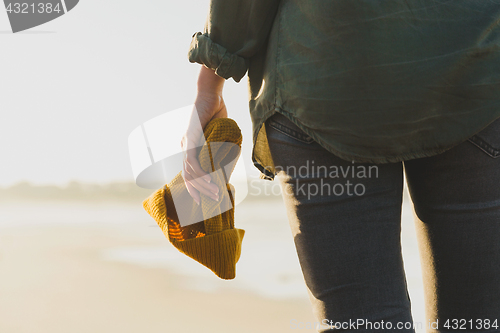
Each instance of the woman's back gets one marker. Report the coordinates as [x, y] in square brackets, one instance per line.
[382, 81]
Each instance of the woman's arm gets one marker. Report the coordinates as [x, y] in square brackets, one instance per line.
[208, 104]
[234, 31]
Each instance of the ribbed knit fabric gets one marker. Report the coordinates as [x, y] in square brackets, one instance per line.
[213, 242]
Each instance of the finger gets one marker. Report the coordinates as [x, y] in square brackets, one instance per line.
[195, 165]
[202, 190]
[191, 190]
[198, 184]
[193, 193]
[209, 186]
[199, 188]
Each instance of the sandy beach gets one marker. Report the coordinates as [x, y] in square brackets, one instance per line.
[55, 278]
[106, 267]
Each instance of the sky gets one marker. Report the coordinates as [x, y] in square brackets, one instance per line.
[73, 89]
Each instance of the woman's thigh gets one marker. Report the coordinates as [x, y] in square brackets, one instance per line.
[456, 196]
[346, 223]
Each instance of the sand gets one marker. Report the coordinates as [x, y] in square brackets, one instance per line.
[86, 267]
[53, 279]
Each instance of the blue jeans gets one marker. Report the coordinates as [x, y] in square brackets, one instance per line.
[346, 222]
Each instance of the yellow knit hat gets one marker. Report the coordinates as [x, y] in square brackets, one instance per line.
[214, 241]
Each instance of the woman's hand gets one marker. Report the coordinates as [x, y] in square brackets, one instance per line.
[208, 104]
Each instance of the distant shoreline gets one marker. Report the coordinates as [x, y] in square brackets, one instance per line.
[110, 192]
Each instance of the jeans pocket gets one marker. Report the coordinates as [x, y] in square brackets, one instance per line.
[288, 128]
[488, 140]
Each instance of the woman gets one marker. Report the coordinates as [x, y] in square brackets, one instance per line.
[396, 85]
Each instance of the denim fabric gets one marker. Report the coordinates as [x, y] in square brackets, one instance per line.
[347, 225]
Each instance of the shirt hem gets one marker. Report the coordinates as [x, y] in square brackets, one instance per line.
[370, 159]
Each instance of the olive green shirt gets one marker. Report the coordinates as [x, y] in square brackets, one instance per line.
[372, 81]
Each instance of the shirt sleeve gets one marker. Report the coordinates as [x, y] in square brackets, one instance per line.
[234, 31]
